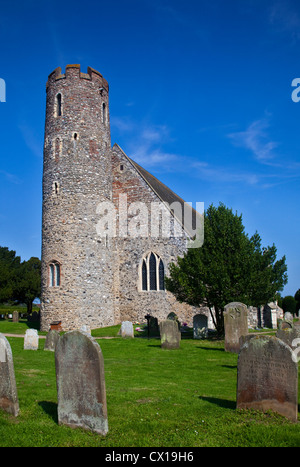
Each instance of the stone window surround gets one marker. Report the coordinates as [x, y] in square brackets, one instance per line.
[145, 260]
[54, 274]
[58, 106]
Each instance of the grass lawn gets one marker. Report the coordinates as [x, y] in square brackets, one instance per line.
[155, 397]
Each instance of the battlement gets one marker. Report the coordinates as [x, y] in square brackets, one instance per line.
[73, 71]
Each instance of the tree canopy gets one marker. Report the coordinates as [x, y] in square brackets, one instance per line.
[229, 267]
[19, 281]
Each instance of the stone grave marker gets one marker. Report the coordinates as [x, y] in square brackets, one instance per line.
[127, 329]
[170, 335]
[200, 328]
[51, 340]
[236, 325]
[31, 340]
[267, 377]
[15, 316]
[153, 327]
[80, 382]
[8, 390]
[288, 334]
[85, 328]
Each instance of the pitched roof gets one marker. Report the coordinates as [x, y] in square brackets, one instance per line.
[183, 212]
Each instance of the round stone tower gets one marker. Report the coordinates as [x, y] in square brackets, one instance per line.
[77, 264]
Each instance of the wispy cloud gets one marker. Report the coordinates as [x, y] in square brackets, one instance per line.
[257, 140]
[217, 174]
[11, 177]
[32, 140]
[285, 18]
[145, 142]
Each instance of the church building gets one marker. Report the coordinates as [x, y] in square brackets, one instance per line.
[110, 229]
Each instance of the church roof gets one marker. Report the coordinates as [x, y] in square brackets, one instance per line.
[184, 213]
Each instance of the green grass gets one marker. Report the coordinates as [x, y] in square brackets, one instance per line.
[155, 397]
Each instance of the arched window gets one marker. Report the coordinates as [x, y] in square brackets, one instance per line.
[58, 105]
[54, 274]
[152, 273]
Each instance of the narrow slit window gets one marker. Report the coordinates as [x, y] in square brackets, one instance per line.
[104, 113]
[58, 105]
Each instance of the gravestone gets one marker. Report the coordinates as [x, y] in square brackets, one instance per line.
[127, 329]
[8, 390]
[85, 328]
[267, 377]
[31, 340]
[153, 326]
[200, 328]
[15, 316]
[80, 382]
[236, 325]
[288, 334]
[170, 335]
[51, 340]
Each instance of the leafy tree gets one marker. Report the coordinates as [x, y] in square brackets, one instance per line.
[297, 298]
[289, 304]
[9, 265]
[229, 267]
[28, 285]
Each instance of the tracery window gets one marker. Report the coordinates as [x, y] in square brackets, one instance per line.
[54, 274]
[152, 272]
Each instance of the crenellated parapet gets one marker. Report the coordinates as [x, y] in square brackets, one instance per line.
[73, 71]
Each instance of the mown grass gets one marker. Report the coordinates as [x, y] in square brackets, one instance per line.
[155, 397]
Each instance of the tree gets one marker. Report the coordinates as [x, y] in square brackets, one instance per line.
[229, 267]
[297, 298]
[9, 266]
[289, 304]
[28, 285]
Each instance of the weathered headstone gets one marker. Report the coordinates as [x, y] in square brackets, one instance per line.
[80, 382]
[170, 335]
[127, 329]
[15, 316]
[85, 328]
[200, 328]
[51, 340]
[267, 377]
[288, 335]
[31, 340]
[8, 390]
[236, 325]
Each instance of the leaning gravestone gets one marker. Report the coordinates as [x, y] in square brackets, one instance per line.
[200, 329]
[80, 382]
[236, 325]
[8, 390]
[267, 377]
[31, 340]
[51, 340]
[170, 335]
[127, 329]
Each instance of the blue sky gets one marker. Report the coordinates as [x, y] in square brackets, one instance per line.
[200, 95]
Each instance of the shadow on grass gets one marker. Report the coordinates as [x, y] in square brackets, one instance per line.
[226, 404]
[50, 408]
[212, 348]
